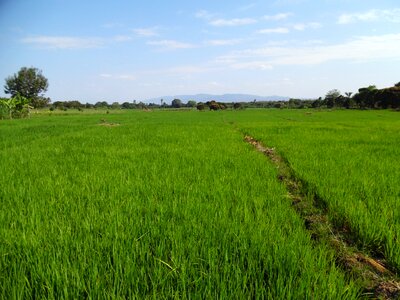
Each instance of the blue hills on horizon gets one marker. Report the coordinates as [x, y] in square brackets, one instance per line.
[218, 98]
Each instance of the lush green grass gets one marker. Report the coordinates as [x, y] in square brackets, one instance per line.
[166, 205]
[350, 159]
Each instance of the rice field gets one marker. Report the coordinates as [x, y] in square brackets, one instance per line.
[174, 204]
[349, 159]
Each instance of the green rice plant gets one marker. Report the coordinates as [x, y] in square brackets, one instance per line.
[349, 159]
[150, 205]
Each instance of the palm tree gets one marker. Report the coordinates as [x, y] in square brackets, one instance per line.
[348, 94]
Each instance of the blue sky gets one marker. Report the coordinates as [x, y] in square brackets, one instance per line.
[125, 50]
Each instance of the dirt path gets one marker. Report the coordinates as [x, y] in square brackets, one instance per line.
[376, 278]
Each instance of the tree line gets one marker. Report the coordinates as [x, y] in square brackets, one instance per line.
[27, 88]
[75, 104]
[367, 97]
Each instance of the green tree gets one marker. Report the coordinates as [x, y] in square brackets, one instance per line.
[388, 98]
[348, 94]
[294, 103]
[15, 104]
[29, 83]
[331, 97]
[348, 102]
[237, 105]
[366, 97]
[191, 103]
[213, 105]
[8, 106]
[176, 103]
[126, 105]
[40, 102]
[201, 106]
[101, 104]
[316, 103]
[115, 105]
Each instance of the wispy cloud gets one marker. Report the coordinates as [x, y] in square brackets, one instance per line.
[146, 32]
[170, 45]
[182, 70]
[304, 26]
[288, 2]
[129, 77]
[230, 42]
[68, 42]
[252, 65]
[278, 17]
[360, 49]
[364, 48]
[283, 30]
[105, 75]
[213, 20]
[112, 25]
[204, 14]
[232, 22]
[280, 30]
[63, 42]
[247, 7]
[122, 38]
[188, 69]
[386, 15]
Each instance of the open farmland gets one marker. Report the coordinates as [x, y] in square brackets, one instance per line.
[349, 160]
[175, 204]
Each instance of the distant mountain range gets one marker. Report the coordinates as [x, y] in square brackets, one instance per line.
[219, 98]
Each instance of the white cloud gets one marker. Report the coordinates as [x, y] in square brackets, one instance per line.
[225, 60]
[122, 38]
[274, 30]
[230, 42]
[188, 70]
[105, 75]
[171, 44]
[68, 42]
[365, 48]
[126, 77]
[182, 70]
[252, 65]
[288, 2]
[299, 26]
[204, 14]
[63, 42]
[247, 7]
[146, 32]
[119, 76]
[303, 26]
[278, 17]
[392, 15]
[232, 22]
[112, 25]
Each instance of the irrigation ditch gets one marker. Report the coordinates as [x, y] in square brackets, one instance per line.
[372, 272]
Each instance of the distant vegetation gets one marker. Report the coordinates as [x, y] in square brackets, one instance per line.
[366, 98]
[28, 86]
